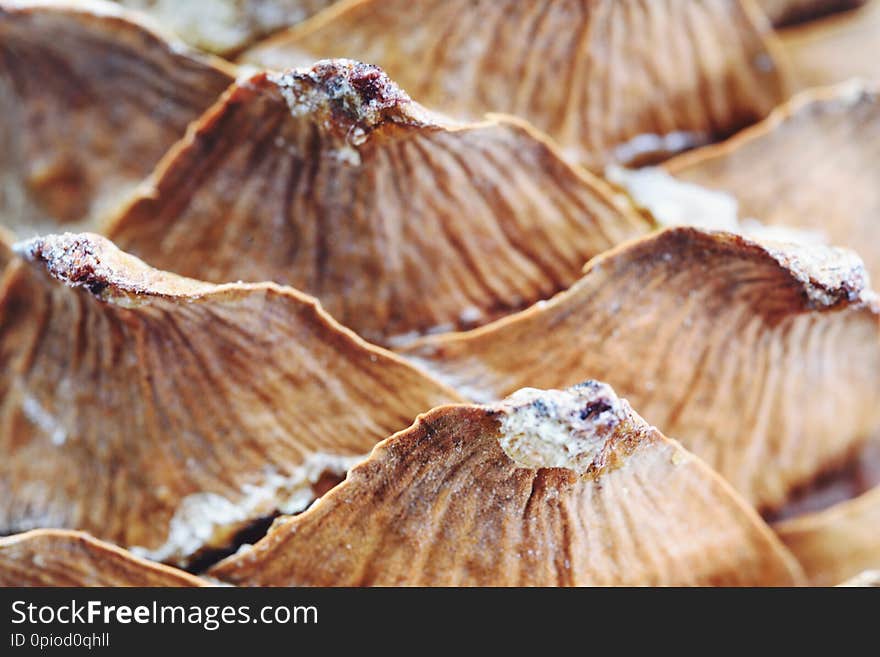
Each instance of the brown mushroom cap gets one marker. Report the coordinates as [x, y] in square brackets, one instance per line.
[763, 359]
[610, 80]
[785, 12]
[53, 557]
[90, 99]
[545, 488]
[227, 26]
[834, 49]
[161, 412]
[811, 164]
[837, 543]
[332, 180]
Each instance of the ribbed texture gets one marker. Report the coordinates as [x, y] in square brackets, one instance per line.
[111, 412]
[594, 74]
[89, 102]
[766, 376]
[52, 557]
[422, 226]
[442, 504]
[811, 165]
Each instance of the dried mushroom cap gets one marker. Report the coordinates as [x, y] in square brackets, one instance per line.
[6, 254]
[571, 67]
[785, 12]
[226, 26]
[867, 578]
[544, 488]
[90, 99]
[53, 557]
[763, 359]
[834, 49]
[811, 164]
[837, 543]
[160, 412]
[332, 180]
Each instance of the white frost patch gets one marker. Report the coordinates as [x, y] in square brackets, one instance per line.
[209, 520]
[44, 420]
[559, 428]
[649, 143]
[675, 203]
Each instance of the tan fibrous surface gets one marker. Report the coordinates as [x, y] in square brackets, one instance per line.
[784, 12]
[90, 99]
[837, 543]
[165, 413]
[763, 359]
[227, 26]
[834, 49]
[332, 180]
[811, 164]
[610, 80]
[53, 557]
[545, 488]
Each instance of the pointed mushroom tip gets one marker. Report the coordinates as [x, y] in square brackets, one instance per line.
[351, 94]
[568, 428]
[73, 258]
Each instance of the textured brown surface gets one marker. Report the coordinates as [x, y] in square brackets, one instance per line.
[838, 543]
[765, 361]
[128, 395]
[783, 12]
[812, 164]
[226, 26]
[51, 557]
[835, 48]
[443, 503]
[89, 102]
[332, 180]
[608, 79]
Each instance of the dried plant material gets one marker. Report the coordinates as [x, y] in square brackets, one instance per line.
[332, 180]
[786, 12]
[6, 254]
[161, 412]
[763, 359]
[867, 578]
[52, 557]
[811, 165]
[573, 68]
[837, 543]
[90, 100]
[227, 26]
[834, 49]
[544, 488]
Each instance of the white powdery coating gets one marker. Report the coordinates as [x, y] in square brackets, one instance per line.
[208, 520]
[559, 428]
[675, 203]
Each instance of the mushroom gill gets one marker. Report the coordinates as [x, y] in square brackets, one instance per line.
[57, 557]
[544, 488]
[169, 414]
[762, 358]
[332, 180]
[90, 99]
[610, 80]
